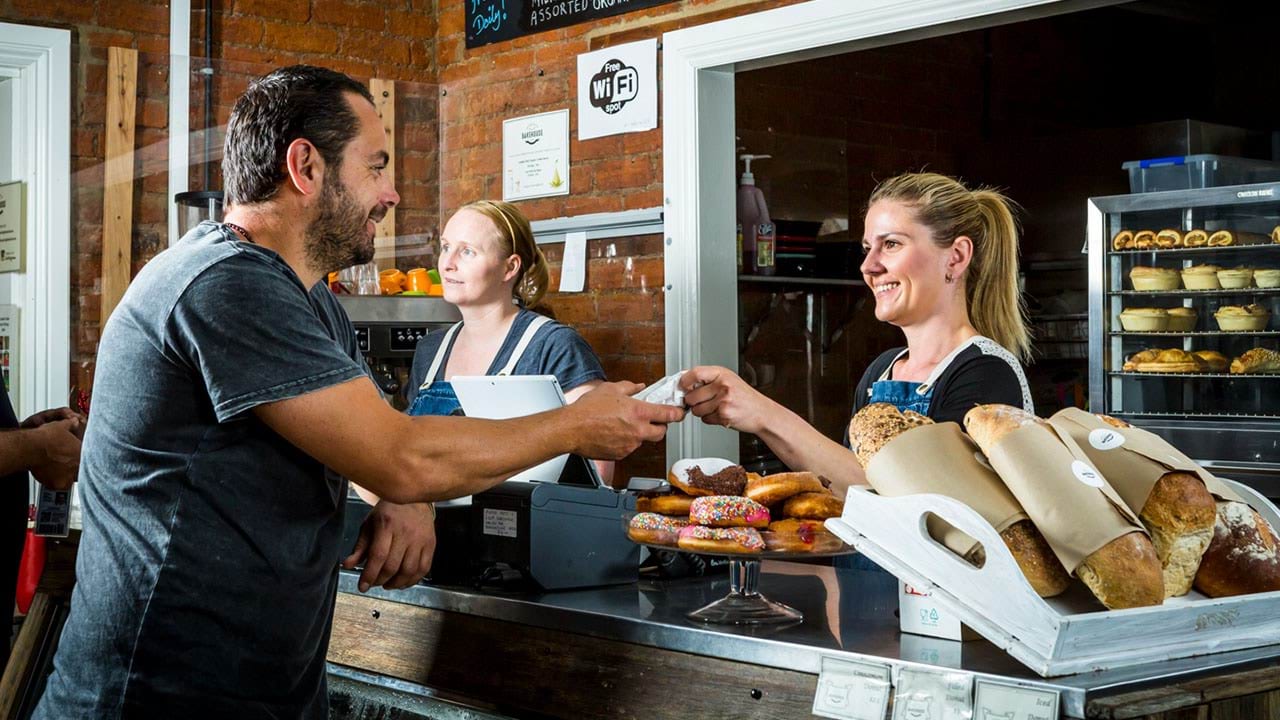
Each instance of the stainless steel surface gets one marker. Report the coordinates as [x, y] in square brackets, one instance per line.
[1226, 421]
[849, 614]
[372, 695]
[364, 309]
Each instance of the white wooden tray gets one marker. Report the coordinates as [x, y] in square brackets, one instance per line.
[1068, 634]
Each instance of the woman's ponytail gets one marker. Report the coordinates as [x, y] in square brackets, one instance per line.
[996, 307]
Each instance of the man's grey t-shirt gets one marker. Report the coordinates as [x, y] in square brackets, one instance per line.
[207, 568]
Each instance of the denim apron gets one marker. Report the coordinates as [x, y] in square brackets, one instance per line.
[436, 397]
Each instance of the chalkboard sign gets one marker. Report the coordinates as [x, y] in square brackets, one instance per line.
[490, 21]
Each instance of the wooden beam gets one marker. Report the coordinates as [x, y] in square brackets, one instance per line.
[384, 99]
[117, 183]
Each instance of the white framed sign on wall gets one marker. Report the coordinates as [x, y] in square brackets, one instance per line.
[535, 156]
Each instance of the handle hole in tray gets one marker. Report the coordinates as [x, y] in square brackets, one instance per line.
[934, 528]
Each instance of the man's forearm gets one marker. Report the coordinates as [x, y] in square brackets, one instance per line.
[18, 451]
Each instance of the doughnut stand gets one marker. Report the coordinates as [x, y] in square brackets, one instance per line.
[744, 605]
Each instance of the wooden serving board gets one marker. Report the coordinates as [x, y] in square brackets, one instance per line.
[1068, 634]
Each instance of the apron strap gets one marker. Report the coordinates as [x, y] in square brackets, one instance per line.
[534, 325]
[441, 353]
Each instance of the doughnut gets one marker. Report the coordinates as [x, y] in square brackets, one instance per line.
[796, 535]
[708, 476]
[696, 538]
[654, 529]
[728, 511]
[675, 503]
[771, 489]
[813, 505]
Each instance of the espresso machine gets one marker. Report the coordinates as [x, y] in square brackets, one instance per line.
[387, 330]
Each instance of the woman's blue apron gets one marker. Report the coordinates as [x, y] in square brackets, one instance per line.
[437, 397]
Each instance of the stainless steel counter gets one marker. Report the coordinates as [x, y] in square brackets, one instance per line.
[849, 614]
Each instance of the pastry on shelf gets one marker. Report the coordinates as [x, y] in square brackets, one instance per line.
[1165, 361]
[1123, 240]
[1242, 318]
[1257, 360]
[1266, 277]
[1240, 277]
[1214, 360]
[1144, 239]
[1154, 278]
[1275, 234]
[1169, 238]
[1223, 238]
[1144, 319]
[1201, 277]
[1182, 319]
[1195, 238]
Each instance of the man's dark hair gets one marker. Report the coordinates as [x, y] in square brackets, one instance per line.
[299, 101]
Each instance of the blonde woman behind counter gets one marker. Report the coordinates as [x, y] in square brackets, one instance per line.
[494, 272]
[942, 262]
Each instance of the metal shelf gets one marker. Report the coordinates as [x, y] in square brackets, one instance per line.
[1204, 375]
[1195, 415]
[1197, 333]
[1204, 249]
[1183, 292]
[780, 280]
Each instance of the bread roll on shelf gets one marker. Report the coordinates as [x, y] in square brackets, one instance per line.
[1195, 238]
[1244, 556]
[1169, 238]
[1123, 240]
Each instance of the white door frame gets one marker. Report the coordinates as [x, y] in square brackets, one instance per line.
[698, 66]
[41, 58]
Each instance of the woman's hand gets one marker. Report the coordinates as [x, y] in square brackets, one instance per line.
[720, 397]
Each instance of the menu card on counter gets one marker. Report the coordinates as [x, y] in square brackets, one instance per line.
[852, 690]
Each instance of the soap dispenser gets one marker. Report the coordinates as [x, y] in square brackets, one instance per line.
[752, 211]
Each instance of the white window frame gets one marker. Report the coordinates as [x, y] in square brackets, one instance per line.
[698, 66]
[39, 60]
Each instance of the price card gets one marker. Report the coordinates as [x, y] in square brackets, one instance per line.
[928, 694]
[852, 690]
[1000, 701]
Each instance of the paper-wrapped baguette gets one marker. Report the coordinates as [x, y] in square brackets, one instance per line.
[875, 425]
[1122, 573]
[1244, 556]
[1176, 507]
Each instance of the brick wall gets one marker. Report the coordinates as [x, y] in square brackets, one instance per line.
[393, 40]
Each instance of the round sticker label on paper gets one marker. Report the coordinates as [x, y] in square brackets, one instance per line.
[982, 460]
[1105, 439]
[1086, 474]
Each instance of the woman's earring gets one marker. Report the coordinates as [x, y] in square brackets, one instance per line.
[950, 279]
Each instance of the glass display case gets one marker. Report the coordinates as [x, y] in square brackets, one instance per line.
[1185, 340]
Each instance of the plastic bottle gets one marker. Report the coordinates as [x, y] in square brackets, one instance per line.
[752, 211]
[766, 246]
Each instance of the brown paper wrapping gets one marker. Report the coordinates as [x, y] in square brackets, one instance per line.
[942, 459]
[1134, 467]
[1076, 519]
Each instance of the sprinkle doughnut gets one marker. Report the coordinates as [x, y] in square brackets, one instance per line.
[813, 505]
[771, 489]
[796, 535]
[696, 538]
[674, 503]
[653, 529]
[728, 511]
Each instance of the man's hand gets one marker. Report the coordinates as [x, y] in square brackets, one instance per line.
[396, 545]
[57, 446]
[614, 424]
[47, 416]
[720, 397]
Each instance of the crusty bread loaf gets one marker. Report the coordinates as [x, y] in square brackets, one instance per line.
[1124, 573]
[875, 425]
[1179, 514]
[1121, 574]
[1244, 555]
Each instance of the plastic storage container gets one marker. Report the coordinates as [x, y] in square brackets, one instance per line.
[1188, 172]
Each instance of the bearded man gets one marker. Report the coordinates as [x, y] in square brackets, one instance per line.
[230, 402]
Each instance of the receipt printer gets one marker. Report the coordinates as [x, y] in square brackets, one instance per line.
[557, 535]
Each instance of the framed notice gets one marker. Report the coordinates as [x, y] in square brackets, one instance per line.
[12, 226]
[535, 156]
[489, 21]
[618, 90]
[9, 350]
